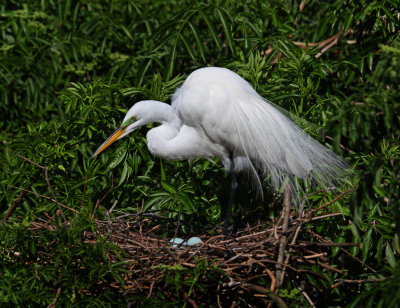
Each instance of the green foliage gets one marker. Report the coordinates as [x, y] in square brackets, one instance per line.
[186, 281]
[70, 70]
[36, 264]
[293, 298]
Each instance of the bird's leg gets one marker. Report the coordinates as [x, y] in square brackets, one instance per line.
[238, 220]
[231, 200]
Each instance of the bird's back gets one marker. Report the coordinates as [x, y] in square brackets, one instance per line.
[232, 114]
[206, 100]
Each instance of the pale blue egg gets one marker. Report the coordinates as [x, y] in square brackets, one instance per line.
[193, 241]
[175, 242]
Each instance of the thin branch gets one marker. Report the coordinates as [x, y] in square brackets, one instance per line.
[105, 195]
[84, 191]
[324, 244]
[326, 216]
[318, 191]
[292, 243]
[46, 197]
[344, 250]
[340, 145]
[48, 183]
[370, 280]
[330, 202]
[13, 206]
[283, 240]
[286, 209]
[52, 193]
[357, 259]
[53, 303]
[333, 43]
[273, 279]
[307, 298]
[29, 161]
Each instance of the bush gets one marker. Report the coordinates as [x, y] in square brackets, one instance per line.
[69, 71]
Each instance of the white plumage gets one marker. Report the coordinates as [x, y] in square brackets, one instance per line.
[216, 113]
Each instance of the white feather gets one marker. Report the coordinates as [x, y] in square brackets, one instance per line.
[216, 113]
[260, 138]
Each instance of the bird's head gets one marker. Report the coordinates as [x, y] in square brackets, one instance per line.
[140, 114]
[135, 117]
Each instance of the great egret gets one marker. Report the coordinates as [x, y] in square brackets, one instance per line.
[216, 113]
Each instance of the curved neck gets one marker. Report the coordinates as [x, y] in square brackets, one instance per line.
[160, 113]
[159, 137]
[152, 111]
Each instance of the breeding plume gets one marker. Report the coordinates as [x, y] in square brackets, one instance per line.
[216, 113]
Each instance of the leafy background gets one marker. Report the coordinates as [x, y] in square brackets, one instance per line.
[70, 69]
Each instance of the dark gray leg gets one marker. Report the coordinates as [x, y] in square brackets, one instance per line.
[231, 200]
[238, 220]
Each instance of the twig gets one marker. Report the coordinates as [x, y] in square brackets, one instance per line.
[48, 184]
[357, 259]
[344, 250]
[283, 239]
[317, 255]
[334, 42]
[13, 206]
[340, 145]
[330, 202]
[370, 280]
[105, 195]
[84, 191]
[52, 193]
[262, 290]
[190, 300]
[273, 279]
[286, 209]
[320, 45]
[324, 244]
[151, 288]
[43, 196]
[113, 206]
[53, 303]
[292, 243]
[326, 216]
[29, 161]
[307, 297]
[318, 191]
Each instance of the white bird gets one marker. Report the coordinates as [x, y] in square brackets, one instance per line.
[216, 113]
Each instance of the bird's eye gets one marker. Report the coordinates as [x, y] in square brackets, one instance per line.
[129, 121]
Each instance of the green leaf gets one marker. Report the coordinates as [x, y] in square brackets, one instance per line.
[335, 250]
[210, 28]
[366, 244]
[168, 187]
[119, 155]
[162, 170]
[124, 173]
[188, 48]
[390, 256]
[171, 59]
[200, 44]
[226, 28]
[370, 60]
[379, 249]
[396, 241]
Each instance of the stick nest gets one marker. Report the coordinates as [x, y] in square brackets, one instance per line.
[247, 269]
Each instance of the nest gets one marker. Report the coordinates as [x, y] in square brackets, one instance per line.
[248, 268]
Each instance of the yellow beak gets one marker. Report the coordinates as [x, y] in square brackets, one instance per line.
[115, 136]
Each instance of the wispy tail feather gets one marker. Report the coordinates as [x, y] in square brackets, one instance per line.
[279, 149]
